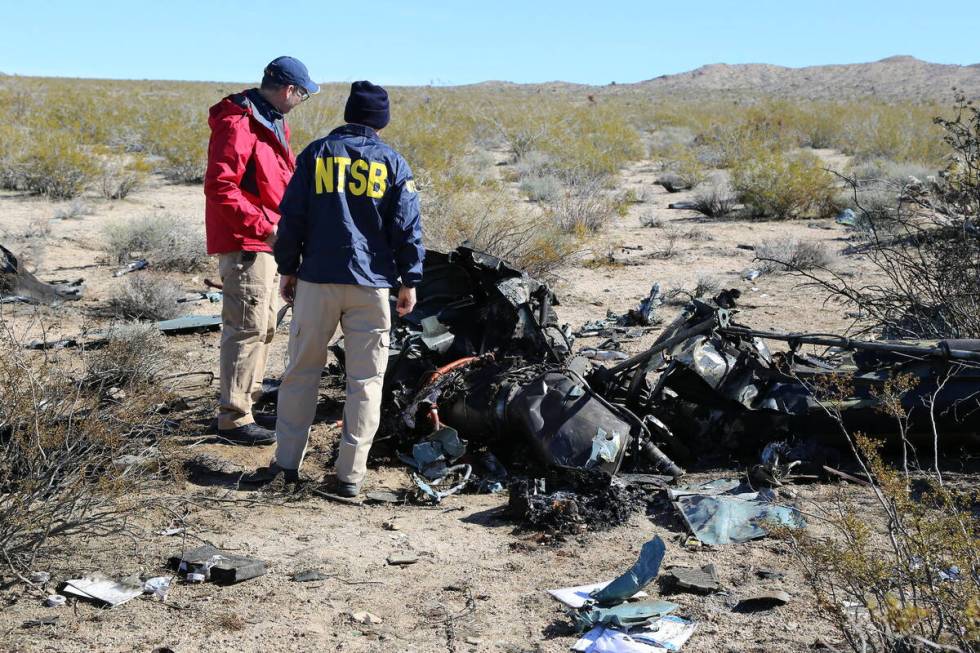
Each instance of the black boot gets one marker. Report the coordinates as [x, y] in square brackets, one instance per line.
[268, 475]
[248, 435]
[265, 420]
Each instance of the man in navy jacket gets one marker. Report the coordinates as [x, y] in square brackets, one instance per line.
[350, 231]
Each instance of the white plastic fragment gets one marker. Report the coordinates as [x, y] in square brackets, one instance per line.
[55, 601]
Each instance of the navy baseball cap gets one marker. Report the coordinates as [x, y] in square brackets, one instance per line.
[287, 70]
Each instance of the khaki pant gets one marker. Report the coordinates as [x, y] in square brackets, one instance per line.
[364, 317]
[248, 314]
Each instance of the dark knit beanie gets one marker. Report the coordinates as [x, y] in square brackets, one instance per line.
[367, 105]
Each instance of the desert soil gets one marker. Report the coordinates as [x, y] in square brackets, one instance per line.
[479, 584]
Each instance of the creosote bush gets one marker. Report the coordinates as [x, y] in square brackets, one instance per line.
[58, 167]
[166, 241]
[777, 185]
[143, 296]
[714, 199]
[905, 578]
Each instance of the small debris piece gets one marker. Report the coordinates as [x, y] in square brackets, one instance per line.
[132, 267]
[167, 532]
[763, 601]
[397, 559]
[683, 206]
[702, 581]
[158, 586]
[190, 324]
[40, 577]
[770, 574]
[644, 570]
[43, 621]
[196, 577]
[391, 525]
[309, 576]
[366, 618]
[55, 600]
[474, 641]
[104, 590]
[576, 597]
[383, 497]
[217, 565]
[668, 633]
[624, 616]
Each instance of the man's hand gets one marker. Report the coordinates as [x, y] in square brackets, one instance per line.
[287, 288]
[406, 301]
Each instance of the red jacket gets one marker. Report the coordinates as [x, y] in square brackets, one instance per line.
[248, 169]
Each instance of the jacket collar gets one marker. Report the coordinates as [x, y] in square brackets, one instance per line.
[356, 130]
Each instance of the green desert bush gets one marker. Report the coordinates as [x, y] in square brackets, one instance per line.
[166, 241]
[58, 167]
[781, 185]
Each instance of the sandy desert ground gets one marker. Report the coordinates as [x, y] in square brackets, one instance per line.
[479, 584]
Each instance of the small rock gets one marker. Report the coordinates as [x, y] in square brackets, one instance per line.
[391, 525]
[366, 618]
[309, 576]
[474, 640]
[396, 559]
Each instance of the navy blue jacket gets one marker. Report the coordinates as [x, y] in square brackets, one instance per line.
[350, 214]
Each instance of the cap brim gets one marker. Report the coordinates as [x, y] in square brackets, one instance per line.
[311, 87]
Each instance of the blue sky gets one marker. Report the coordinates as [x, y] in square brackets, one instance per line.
[443, 42]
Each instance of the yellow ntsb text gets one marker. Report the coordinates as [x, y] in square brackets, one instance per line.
[366, 177]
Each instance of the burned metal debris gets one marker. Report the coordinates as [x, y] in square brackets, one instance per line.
[482, 367]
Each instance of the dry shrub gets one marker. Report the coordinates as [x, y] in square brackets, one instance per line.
[651, 220]
[715, 200]
[65, 453]
[584, 208]
[543, 188]
[493, 224]
[905, 578]
[120, 178]
[683, 170]
[73, 210]
[147, 297]
[777, 185]
[133, 356]
[166, 241]
[782, 254]
[926, 249]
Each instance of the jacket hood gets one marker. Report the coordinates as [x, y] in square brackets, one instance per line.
[228, 107]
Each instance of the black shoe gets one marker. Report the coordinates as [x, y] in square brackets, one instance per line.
[249, 435]
[348, 490]
[268, 475]
[265, 420]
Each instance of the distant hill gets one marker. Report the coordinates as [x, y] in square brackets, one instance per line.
[894, 78]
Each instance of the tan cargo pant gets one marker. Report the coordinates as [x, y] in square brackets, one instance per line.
[248, 315]
[364, 316]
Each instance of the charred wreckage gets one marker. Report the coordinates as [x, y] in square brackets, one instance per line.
[482, 379]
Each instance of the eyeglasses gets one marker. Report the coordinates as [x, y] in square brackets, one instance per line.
[304, 95]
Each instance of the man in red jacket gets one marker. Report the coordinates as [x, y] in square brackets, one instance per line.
[249, 165]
